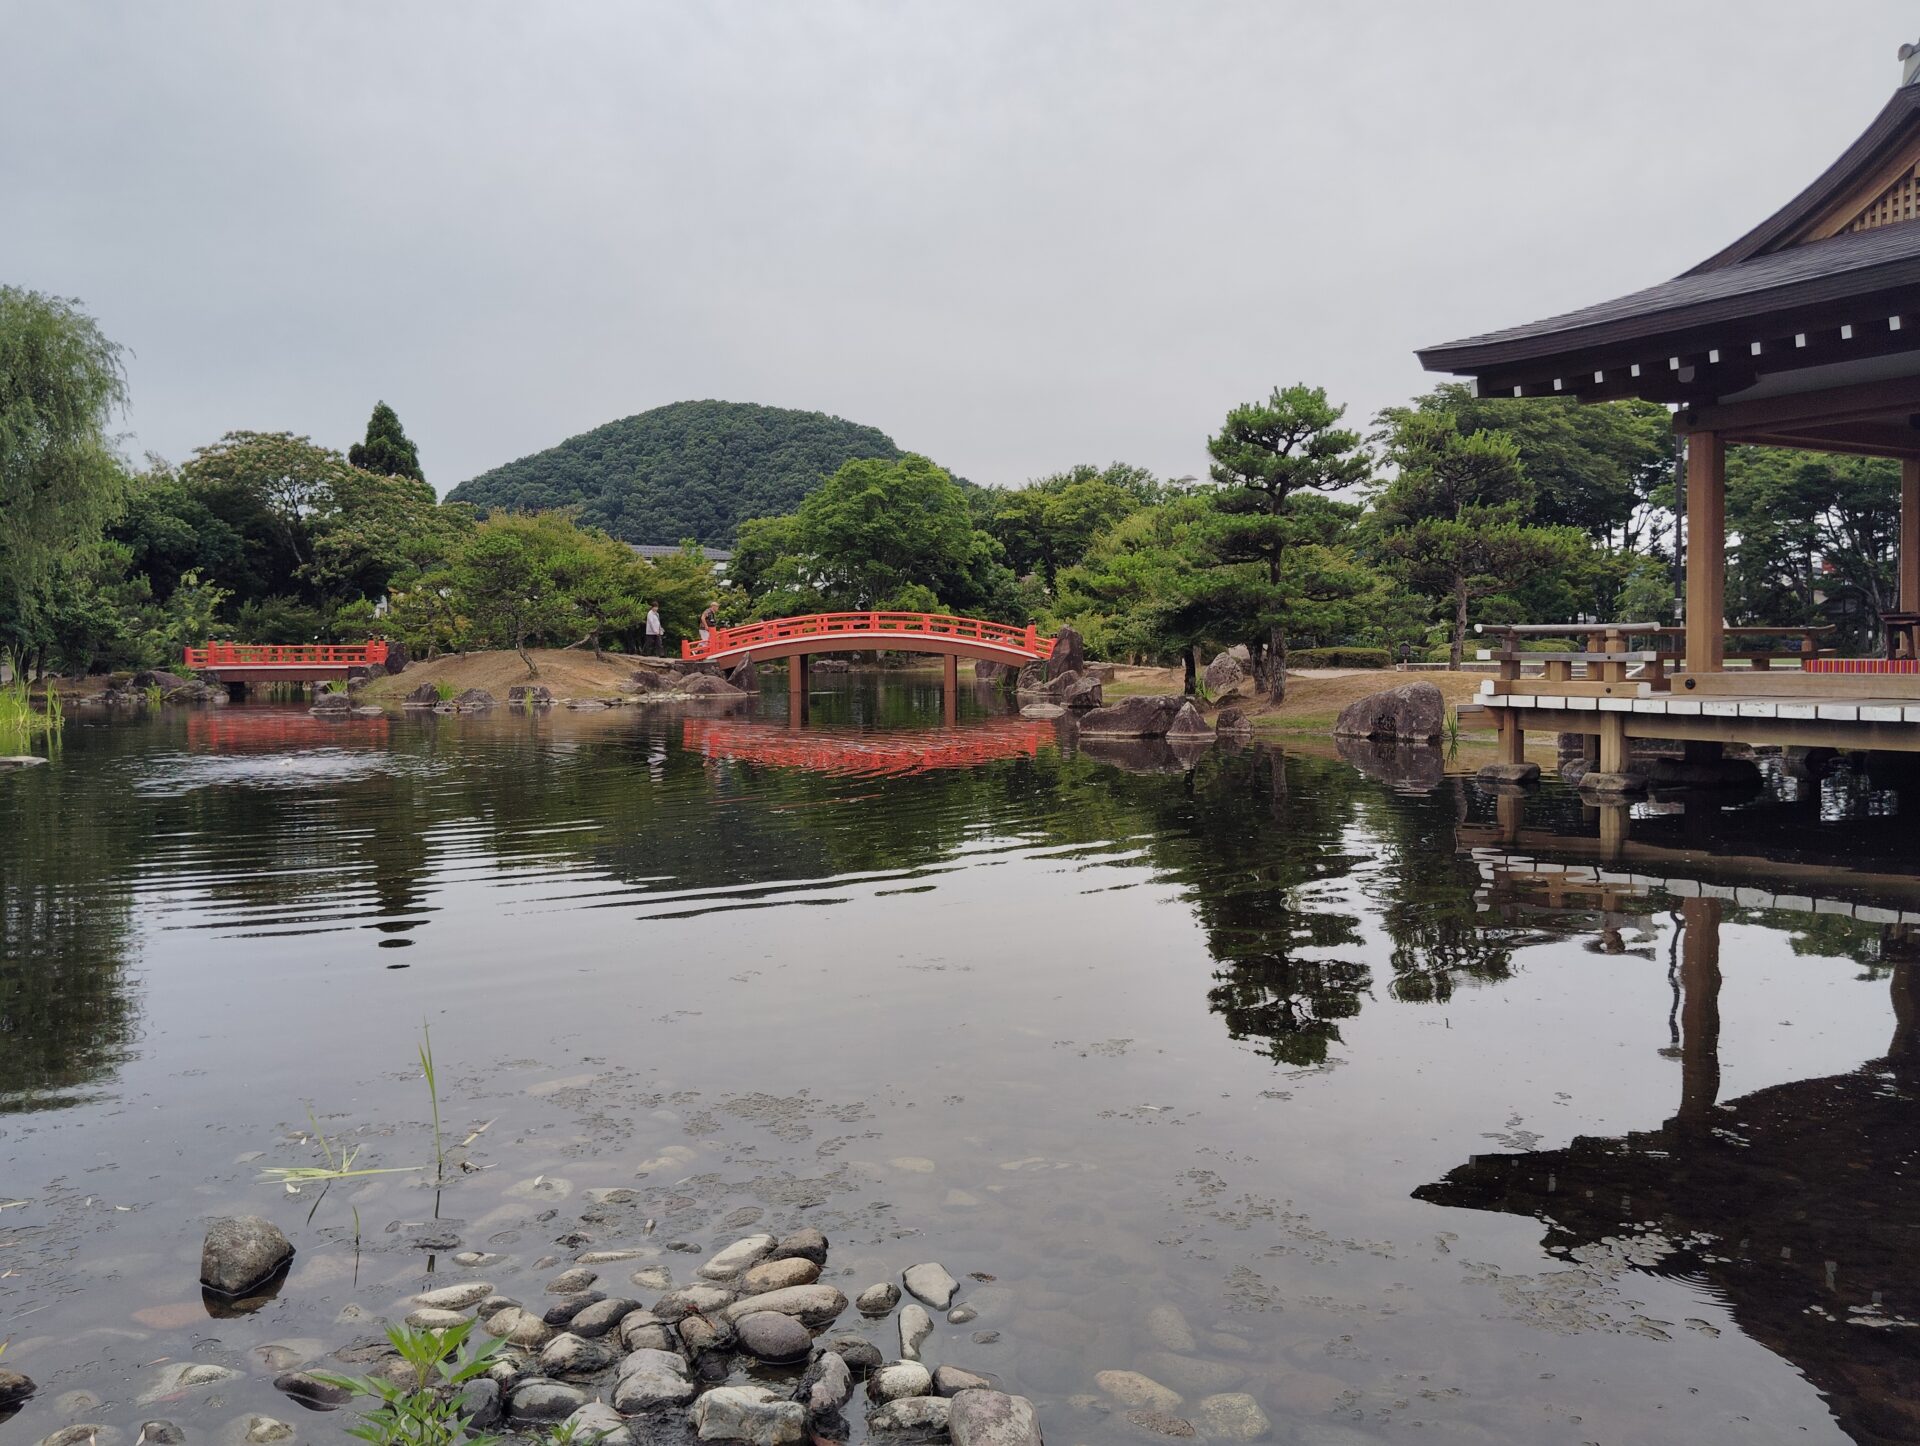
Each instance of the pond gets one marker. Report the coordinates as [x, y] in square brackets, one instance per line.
[1414, 1113]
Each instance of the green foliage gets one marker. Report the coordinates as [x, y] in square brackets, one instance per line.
[1808, 525]
[509, 581]
[425, 1409]
[1597, 468]
[689, 470]
[60, 481]
[1285, 547]
[21, 722]
[1454, 519]
[1050, 523]
[876, 534]
[1340, 658]
[387, 451]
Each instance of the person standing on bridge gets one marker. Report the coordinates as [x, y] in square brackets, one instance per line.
[654, 631]
[709, 621]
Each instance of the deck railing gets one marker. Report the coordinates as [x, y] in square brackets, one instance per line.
[907, 625]
[286, 655]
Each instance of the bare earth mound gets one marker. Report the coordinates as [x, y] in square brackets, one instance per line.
[567, 672]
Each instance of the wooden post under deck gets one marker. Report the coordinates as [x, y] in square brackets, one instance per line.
[1700, 1008]
[1910, 534]
[1613, 743]
[1513, 739]
[1706, 552]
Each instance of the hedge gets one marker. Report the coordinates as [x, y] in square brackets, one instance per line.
[1339, 658]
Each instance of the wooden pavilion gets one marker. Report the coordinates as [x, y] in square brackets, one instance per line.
[1802, 333]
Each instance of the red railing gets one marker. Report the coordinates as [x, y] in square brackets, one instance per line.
[286, 655]
[852, 753]
[907, 626]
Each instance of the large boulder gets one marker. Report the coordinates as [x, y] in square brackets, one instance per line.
[1232, 723]
[700, 685]
[751, 1414]
[1069, 653]
[1413, 712]
[521, 695]
[427, 695]
[1188, 726]
[995, 673]
[992, 1418]
[341, 702]
[474, 698]
[745, 677]
[1142, 716]
[241, 1253]
[397, 658]
[14, 1388]
[156, 678]
[1223, 675]
[1084, 693]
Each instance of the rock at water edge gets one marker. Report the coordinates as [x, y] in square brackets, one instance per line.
[1413, 712]
[241, 1253]
[931, 1283]
[992, 1418]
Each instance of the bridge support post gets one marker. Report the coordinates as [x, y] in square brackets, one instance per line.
[797, 688]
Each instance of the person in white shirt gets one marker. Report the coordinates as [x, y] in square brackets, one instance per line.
[654, 631]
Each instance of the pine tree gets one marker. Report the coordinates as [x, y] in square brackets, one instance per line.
[387, 450]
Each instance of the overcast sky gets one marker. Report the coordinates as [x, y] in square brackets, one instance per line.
[1013, 236]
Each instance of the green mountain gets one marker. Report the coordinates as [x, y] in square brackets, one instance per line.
[691, 469]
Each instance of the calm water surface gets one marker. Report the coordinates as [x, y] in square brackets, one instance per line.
[1437, 1117]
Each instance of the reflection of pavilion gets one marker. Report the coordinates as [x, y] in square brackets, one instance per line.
[893, 751]
[1798, 1202]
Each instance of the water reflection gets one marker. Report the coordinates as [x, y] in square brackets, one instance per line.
[1316, 916]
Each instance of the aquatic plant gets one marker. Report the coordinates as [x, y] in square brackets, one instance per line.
[445, 692]
[433, 1095]
[155, 697]
[21, 722]
[339, 1164]
[424, 1410]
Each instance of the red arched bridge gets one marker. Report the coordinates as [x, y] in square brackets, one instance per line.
[283, 662]
[799, 638]
[851, 632]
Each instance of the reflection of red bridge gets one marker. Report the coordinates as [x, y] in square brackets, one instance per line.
[282, 662]
[893, 752]
[261, 730]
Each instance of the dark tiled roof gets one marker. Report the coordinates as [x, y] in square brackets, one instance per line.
[1820, 271]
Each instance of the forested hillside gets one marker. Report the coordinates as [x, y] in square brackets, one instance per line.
[688, 470]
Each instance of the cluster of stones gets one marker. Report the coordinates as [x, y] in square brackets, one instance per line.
[427, 695]
[132, 691]
[606, 1366]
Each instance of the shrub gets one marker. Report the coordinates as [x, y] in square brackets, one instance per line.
[1339, 658]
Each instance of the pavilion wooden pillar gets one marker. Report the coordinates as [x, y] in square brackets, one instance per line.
[1910, 534]
[1700, 1008]
[1706, 551]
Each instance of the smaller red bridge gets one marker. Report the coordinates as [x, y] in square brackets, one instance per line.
[283, 662]
[849, 632]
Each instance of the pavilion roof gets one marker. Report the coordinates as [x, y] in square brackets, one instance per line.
[1833, 277]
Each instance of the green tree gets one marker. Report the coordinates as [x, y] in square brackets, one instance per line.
[387, 450]
[1811, 525]
[1048, 524]
[286, 480]
[1454, 519]
[60, 481]
[1268, 459]
[868, 534]
[507, 580]
[1604, 469]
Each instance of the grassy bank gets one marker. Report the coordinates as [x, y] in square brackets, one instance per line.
[570, 673]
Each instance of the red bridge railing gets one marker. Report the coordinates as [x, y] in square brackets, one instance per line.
[286, 655]
[908, 625]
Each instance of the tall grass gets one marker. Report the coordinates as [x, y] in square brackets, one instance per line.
[21, 722]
